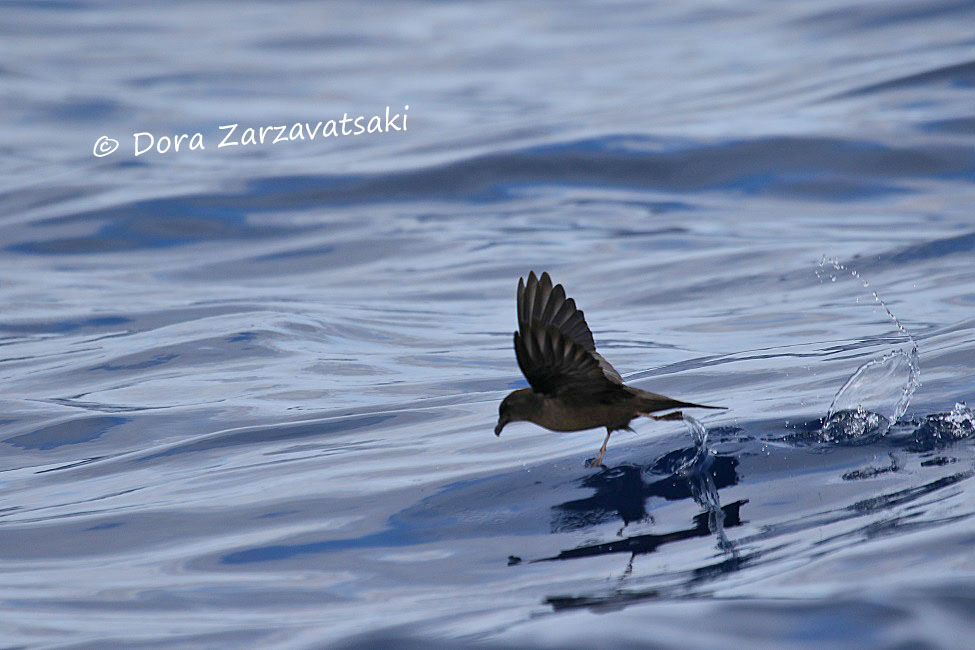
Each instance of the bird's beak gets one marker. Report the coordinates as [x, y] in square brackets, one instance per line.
[501, 423]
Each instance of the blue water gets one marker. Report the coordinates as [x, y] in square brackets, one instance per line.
[248, 393]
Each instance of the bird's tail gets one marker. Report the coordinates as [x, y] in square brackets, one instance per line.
[652, 402]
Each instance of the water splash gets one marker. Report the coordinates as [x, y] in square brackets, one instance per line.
[944, 429]
[877, 395]
[962, 421]
[702, 453]
[697, 472]
[854, 425]
[873, 398]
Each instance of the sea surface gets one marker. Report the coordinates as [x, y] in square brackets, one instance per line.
[247, 393]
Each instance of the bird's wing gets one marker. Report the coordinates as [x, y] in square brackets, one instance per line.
[542, 305]
[558, 366]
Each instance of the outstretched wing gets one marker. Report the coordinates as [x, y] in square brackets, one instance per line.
[540, 305]
[556, 365]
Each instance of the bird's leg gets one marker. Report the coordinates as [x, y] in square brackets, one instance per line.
[676, 415]
[598, 460]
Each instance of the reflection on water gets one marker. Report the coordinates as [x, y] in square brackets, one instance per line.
[703, 525]
[623, 489]
[621, 492]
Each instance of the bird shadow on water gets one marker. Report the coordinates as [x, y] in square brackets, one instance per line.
[622, 493]
[623, 490]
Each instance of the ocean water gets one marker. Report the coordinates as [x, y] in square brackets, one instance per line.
[247, 393]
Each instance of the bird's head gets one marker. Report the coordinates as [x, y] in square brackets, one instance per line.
[518, 406]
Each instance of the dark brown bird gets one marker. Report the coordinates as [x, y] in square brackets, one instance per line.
[572, 386]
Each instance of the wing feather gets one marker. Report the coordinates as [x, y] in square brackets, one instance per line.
[542, 305]
[558, 366]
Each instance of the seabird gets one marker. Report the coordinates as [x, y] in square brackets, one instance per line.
[572, 386]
